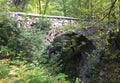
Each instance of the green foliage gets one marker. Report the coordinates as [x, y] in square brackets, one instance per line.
[34, 40]
[9, 38]
[28, 73]
[25, 72]
[40, 74]
[15, 42]
[4, 70]
[18, 43]
[42, 24]
[27, 50]
[8, 30]
[35, 6]
[73, 26]
[29, 44]
[6, 6]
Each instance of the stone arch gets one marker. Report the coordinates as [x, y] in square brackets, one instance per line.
[72, 49]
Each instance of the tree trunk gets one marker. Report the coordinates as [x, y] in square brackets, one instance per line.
[46, 6]
[40, 11]
[64, 7]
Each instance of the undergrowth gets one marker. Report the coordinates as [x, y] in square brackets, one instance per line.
[23, 57]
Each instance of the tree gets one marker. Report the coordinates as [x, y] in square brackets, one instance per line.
[20, 4]
[46, 6]
[64, 7]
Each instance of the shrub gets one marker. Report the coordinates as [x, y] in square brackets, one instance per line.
[29, 46]
[15, 42]
[42, 24]
[4, 70]
[29, 73]
[34, 43]
[9, 38]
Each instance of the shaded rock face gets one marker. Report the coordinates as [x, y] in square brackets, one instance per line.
[110, 61]
[81, 58]
[87, 31]
[74, 51]
[114, 43]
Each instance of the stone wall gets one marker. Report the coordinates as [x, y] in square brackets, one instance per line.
[56, 21]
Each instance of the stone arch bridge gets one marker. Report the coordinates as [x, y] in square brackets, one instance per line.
[82, 58]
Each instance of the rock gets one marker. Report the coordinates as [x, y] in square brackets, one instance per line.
[73, 50]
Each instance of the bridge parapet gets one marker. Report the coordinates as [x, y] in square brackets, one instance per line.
[56, 21]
